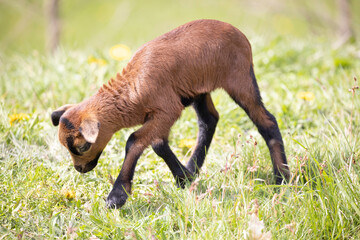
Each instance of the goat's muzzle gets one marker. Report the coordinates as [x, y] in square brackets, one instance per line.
[89, 166]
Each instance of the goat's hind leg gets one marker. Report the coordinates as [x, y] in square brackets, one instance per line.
[247, 95]
[207, 121]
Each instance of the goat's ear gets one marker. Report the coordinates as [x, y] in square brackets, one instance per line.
[89, 128]
[56, 115]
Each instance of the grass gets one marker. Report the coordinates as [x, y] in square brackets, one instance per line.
[43, 197]
[97, 23]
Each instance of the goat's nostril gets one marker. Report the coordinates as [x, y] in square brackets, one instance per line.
[78, 168]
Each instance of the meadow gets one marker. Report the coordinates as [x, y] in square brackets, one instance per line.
[306, 81]
[312, 92]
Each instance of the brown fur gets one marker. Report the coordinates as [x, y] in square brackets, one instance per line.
[187, 62]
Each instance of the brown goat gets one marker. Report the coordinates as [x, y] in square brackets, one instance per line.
[167, 74]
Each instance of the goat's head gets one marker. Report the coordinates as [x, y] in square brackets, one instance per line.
[82, 133]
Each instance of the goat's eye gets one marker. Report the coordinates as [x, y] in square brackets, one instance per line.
[84, 147]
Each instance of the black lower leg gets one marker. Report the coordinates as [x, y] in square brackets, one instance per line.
[180, 173]
[207, 124]
[273, 139]
[122, 186]
[248, 98]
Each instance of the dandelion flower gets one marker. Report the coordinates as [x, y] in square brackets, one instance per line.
[187, 143]
[18, 117]
[307, 96]
[69, 194]
[95, 60]
[120, 52]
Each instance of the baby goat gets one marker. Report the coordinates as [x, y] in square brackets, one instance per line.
[167, 74]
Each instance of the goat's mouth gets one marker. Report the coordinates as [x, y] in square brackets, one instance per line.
[89, 166]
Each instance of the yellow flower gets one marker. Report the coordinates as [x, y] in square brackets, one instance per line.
[98, 61]
[69, 194]
[307, 96]
[18, 117]
[120, 52]
[187, 143]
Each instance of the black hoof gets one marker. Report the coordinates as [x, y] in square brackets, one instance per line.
[279, 179]
[181, 181]
[116, 198]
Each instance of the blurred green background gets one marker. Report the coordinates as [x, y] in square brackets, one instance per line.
[99, 24]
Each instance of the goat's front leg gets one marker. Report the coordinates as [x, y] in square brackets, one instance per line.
[179, 171]
[135, 145]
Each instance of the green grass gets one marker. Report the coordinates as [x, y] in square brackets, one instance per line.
[43, 197]
[99, 24]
